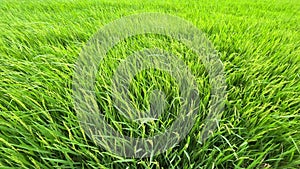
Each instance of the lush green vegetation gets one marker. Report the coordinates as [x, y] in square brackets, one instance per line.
[258, 42]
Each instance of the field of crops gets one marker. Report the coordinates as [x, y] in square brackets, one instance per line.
[258, 43]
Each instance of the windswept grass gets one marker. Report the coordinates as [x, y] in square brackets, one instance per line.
[259, 44]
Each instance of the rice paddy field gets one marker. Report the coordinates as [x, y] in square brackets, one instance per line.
[257, 41]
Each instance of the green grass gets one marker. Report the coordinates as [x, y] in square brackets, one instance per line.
[258, 42]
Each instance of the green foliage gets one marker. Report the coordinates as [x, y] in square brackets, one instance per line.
[259, 44]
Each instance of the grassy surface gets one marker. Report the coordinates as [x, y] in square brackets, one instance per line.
[259, 46]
